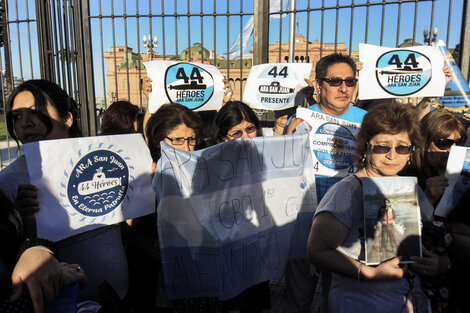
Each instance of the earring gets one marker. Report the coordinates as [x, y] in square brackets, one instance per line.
[363, 160]
[408, 163]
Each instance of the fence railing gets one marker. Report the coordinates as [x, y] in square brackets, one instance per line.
[95, 49]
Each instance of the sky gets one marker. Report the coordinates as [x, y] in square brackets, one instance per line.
[107, 31]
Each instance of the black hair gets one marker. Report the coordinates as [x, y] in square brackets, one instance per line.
[321, 69]
[45, 92]
[230, 115]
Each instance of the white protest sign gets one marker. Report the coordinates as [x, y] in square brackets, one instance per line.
[86, 183]
[194, 85]
[332, 143]
[400, 72]
[231, 215]
[273, 86]
[458, 173]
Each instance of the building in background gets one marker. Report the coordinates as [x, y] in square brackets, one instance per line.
[125, 69]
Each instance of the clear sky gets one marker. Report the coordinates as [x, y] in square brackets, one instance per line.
[107, 31]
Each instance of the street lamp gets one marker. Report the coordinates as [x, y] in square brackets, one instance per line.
[430, 39]
[149, 44]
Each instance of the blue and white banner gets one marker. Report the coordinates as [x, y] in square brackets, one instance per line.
[273, 86]
[400, 72]
[456, 96]
[332, 142]
[231, 215]
[458, 174]
[86, 183]
[196, 86]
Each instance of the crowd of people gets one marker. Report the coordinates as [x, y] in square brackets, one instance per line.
[117, 266]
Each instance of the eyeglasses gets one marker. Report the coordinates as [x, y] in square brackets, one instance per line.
[239, 133]
[444, 143]
[336, 82]
[378, 149]
[179, 141]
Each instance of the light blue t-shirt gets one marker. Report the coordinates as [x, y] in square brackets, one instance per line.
[354, 115]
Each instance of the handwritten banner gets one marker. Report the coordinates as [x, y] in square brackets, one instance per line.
[458, 173]
[273, 86]
[400, 72]
[194, 85]
[332, 143]
[86, 183]
[231, 215]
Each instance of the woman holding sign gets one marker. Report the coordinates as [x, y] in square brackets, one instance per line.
[42, 110]
[386, 142]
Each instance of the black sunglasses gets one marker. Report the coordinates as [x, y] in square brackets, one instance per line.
[378, 149]
[444, 143]
[336, 82]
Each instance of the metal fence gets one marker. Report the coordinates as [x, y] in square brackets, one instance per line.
[95, 49]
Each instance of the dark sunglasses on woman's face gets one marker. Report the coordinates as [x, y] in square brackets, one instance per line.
[378, 149]
[444, 143]
[336, 82]
[239, 133]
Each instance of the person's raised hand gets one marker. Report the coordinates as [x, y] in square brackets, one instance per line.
[26, 200]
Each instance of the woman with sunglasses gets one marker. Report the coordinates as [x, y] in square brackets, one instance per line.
[42, 110]
[441, 130]
[385, 143]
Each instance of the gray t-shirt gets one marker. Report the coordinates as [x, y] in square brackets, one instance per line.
[99, 252]
[344, 200]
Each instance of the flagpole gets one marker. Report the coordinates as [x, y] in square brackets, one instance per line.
[291, 30]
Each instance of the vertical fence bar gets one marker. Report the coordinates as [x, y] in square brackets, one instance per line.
[465, 41]
[163, 30]
[261, 32]
[281, 10]
[29, 41]
[105, 90]
[382, 24]
[336, 25]
[322, 25]
[449, 18]
[398, 24]
[124, 20]
[19, 40]
[116, 93]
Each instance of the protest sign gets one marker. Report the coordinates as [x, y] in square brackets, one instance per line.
[458, 174]
[86, 183]
[196, 86]
[400, 72]
[231, 215]
[273, 86]
[456, 95]
[331, 142]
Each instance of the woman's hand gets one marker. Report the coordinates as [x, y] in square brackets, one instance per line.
[435, 187]
[44, 277]
[27, 200]
[386, 271]
[228, 92]
[146, 86]
[430, 264]
[448, 73]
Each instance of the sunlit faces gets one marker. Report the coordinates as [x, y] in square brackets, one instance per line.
[390, 163]
[243, 130]
[335, 100]
[436, 157]
[29, 127]
[181, 133]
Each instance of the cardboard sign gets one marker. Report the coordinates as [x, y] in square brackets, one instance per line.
[231, 215]
[332, 143]
[86, 183]
[273, 86]
[196, 86]
[400, 72]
